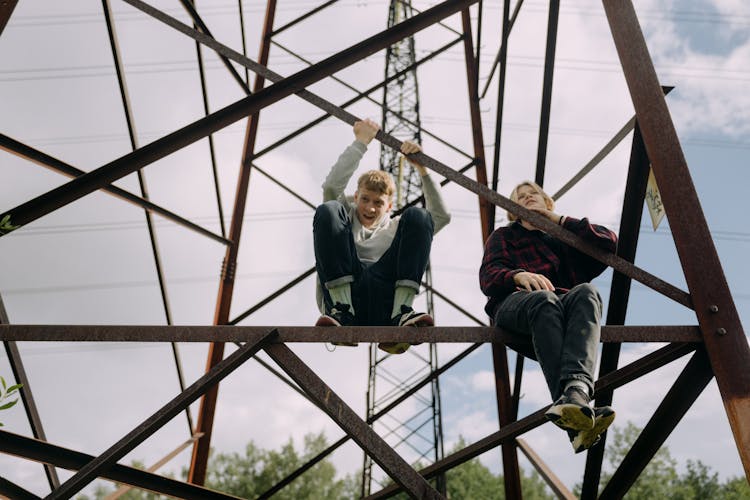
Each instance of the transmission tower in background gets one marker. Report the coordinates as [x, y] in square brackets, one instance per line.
[418, 431]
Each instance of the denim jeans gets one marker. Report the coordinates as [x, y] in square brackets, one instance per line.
[403, 264]
[564, 330]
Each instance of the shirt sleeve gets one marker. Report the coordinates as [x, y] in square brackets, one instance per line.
[434, 203]
[596, 235]
[497, 270]
[341, 172]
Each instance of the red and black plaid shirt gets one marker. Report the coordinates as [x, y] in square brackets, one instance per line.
[512, 249]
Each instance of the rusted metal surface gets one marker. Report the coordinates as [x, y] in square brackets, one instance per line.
[477, 136]
[27, 397]
[43, 159]
[689, 385]
[630, 222]
[622, 376]
[96, 467]
[460, 334]
[40, 451]
[549, 71]
[348, 420]
[190, 8]
[724, 336]
[6, 10]
[207, 410]
[553, 482]
[511, 471]
[12, 490]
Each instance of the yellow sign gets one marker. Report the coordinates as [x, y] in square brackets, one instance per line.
[653, 201]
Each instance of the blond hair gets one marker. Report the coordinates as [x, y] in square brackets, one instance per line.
[379, 181]
[536, 187]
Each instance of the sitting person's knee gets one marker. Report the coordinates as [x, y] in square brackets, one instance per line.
[417, 216]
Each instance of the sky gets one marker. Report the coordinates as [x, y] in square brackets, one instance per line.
[91, 263]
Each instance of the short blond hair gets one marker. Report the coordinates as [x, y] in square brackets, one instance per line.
[536, 187]
[379, 181]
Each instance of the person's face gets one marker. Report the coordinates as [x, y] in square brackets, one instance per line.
[530, 198]
[371, 206]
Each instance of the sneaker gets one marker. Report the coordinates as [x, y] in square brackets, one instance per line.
[339, 315]
[583, 440]
[408, 317]
[571, 411]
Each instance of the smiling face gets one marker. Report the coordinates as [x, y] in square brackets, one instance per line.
[530, 195]
[371, 206]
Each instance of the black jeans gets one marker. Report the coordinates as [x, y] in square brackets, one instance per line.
[564, 329]
[403, 264]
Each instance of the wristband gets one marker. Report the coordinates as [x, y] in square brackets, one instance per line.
[560, 221]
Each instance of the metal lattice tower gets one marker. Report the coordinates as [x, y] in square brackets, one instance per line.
[418, 432]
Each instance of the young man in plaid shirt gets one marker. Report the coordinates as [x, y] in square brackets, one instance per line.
[539, 286]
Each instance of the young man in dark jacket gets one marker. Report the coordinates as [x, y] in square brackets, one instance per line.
[539, 286]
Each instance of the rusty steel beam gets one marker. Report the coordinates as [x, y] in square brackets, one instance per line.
[477, 137]
[303, 17]
[501, 57]
[395, 466]
[630, 223]
[723, 334]
[12, 490]
[447, 334]
[103, 462]
[207, 410]
[504, 401]
[41, 451]
[6, 10]
[553, 482]
[622, 376]
[43, 159]
[689, 385]
[77, 188]
[549, 71]
[190, 8]
[130, 120]
[539, 221]
[27, 398]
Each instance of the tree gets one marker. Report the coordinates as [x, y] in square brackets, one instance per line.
[660, 478]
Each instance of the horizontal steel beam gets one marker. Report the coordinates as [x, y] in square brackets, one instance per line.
[46, 453]
[473, 334]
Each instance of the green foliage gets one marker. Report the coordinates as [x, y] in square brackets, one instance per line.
[256, 471]
[5, 393]
[660, 478]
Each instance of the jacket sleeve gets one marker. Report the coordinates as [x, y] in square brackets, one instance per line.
[595, 234]
[434, 203]
[498, 269]
[341, 172]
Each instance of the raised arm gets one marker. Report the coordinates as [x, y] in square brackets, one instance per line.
[337, 179]
[433, 199]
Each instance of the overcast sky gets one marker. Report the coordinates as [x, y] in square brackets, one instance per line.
[90, 262]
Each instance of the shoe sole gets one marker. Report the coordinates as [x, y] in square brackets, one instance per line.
[586, 439]
[571, 417]
[394, 347]
[421, 320]
[327, 321]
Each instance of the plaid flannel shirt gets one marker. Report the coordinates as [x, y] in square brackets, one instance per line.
[512, 249]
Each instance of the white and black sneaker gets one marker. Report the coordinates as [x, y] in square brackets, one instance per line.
[571, 411]
[339, 315]
[583, 440]
[408, 317]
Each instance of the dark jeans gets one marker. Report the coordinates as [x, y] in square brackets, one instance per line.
[403, 264]
[564, 329]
